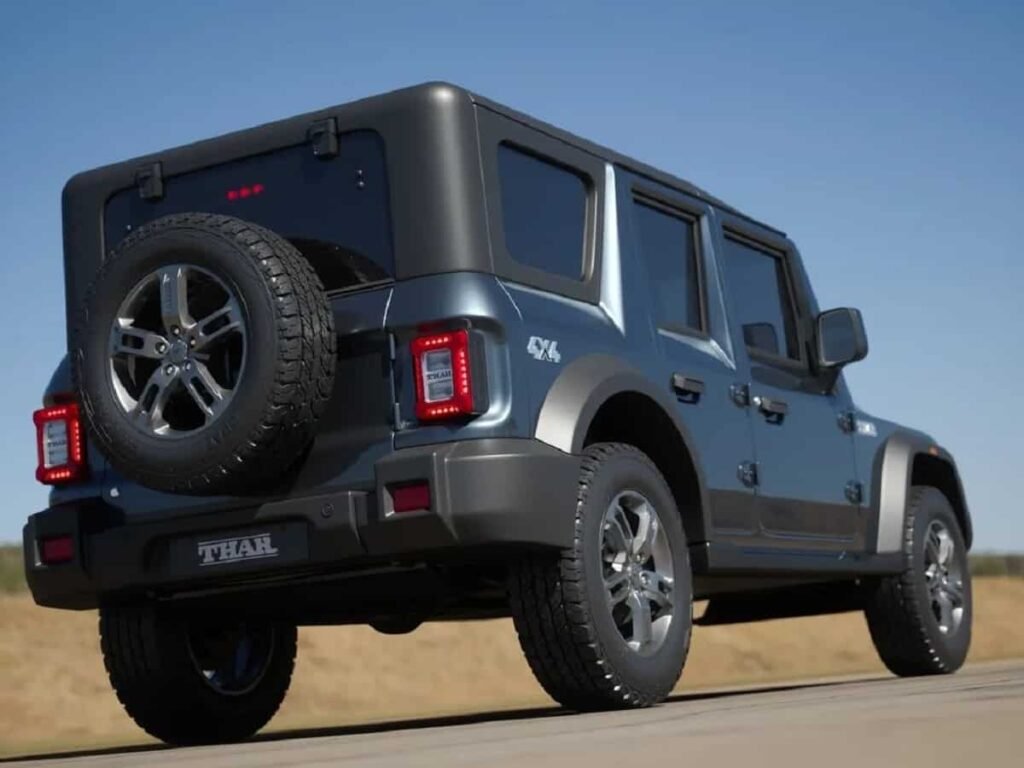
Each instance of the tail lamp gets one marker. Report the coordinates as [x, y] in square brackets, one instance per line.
[451, 380]
[60, 444]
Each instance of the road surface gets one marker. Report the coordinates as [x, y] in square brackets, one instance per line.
[974, 719]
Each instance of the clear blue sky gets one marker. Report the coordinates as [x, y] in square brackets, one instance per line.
[886, 138]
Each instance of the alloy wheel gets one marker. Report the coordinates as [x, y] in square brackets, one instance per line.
[177, 351]
[638, 572]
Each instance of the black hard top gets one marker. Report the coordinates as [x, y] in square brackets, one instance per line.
[436, 189]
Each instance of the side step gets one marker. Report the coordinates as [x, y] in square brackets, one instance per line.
[783, 603]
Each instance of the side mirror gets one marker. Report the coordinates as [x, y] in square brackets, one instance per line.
[841, 338]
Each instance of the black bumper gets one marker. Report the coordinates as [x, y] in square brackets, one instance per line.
[482, 493]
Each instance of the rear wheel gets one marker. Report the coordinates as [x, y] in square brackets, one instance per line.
[606, 623]
[920, 620]
[189, 682]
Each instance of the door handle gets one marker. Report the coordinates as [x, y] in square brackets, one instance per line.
[774, 410]
[687, 388]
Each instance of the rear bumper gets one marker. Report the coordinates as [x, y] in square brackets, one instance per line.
[482, 493]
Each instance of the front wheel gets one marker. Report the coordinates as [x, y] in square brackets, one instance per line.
[920, 620]
[605, 624]
[192, 682]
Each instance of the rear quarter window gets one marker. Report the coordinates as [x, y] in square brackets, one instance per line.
[544, 212]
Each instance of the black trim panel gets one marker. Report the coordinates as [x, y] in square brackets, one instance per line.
[721, 558]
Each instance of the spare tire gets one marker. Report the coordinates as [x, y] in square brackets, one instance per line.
[204, 355]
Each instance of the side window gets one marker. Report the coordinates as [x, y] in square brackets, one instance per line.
[668, 246]
[544, 212]
[760, 299]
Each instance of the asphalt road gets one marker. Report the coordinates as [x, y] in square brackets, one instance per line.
[974, 718]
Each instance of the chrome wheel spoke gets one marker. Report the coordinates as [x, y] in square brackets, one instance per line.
[657, 589]
[647, 529]
[197, 380]
[945, 606]
[640, 616]
[954, 590]
[617, 585]
[618, 534]
[946, 547]
[148, 411]
[174, 298]
[137, 342]
[218, 325]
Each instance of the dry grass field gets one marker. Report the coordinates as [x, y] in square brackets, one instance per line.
[54, 693]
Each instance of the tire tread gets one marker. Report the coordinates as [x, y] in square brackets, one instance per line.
[552, 615]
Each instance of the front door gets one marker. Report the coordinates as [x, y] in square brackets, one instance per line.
[805, 460]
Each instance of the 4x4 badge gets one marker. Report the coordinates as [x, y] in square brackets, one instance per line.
[544, 349]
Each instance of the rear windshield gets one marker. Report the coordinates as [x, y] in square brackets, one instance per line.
[335, 211]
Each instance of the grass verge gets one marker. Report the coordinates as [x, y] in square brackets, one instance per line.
[12, 570]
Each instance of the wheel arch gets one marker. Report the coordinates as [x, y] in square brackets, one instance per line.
[906, 459]
[599, 398]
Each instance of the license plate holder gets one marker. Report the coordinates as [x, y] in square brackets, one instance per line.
[240, 549]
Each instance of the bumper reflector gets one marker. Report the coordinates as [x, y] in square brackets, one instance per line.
[57, 550]
[406, 498]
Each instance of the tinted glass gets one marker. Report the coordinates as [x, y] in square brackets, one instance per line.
[668, 247]
[756, 283]
[544, 213]
[335, 211]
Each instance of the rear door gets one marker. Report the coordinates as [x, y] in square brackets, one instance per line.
[805, 459]
[672, 234]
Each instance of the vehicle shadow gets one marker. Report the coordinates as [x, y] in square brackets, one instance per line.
[444, 721]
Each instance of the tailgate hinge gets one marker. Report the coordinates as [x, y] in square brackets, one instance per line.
[150, 181]
[323, 135]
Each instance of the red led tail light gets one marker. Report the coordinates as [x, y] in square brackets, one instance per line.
[60, 445]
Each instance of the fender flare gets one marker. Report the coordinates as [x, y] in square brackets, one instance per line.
[892, 479]
[580, 390]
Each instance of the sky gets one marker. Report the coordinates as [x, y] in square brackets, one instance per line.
[887, 139]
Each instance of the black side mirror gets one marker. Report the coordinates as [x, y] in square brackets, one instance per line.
[841, 338]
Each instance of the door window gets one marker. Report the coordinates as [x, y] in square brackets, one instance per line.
[668, 246]
[761, 300]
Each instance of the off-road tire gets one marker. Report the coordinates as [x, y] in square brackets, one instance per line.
[151, 669]
[903, 626]
[558, 601]
[289, 370]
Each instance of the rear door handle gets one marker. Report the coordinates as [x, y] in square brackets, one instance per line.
[774, 410]
[687, 388]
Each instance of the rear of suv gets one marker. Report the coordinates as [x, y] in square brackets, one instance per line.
[421, 357]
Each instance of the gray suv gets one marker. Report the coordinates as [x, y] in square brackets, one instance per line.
[421, 357]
